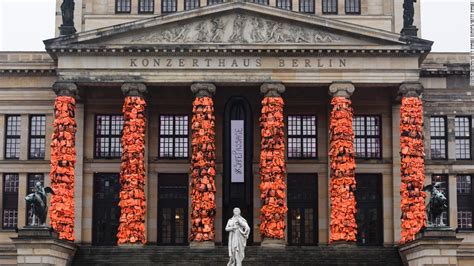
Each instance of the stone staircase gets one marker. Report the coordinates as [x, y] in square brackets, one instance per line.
[255, 255]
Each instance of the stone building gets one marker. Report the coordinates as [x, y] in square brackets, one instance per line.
[236, 48]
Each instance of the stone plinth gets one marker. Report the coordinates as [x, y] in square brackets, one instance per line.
[434, 246]
[202, 245]
[273, 243]
[41, 246]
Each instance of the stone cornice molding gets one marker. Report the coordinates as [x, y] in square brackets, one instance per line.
[410, 89]
[134, 89]
[203, 89]
[341, 89]
[272, 89]
[66, 89]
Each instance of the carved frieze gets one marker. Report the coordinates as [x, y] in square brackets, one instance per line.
[238, 29]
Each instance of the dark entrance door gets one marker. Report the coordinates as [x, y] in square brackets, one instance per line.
[302, 209]
[238, 147]
[369, 209]
[106, 212]
[173, 209]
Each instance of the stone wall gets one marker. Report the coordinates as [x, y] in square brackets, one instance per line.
[94, 14]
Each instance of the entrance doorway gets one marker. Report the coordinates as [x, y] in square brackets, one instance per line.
[173, 209]
[238, 155]
[302, 209]
[369, 209]
[106, 210]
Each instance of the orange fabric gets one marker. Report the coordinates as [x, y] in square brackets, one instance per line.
[63, 160]
[203, 171]
[272, 169]
[412, 168]
[132, 173]
[342, 159]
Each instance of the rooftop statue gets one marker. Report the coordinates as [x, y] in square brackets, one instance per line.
[39, 203]
[239, 232]
[436, 206]
[408, 12]
[67, 12]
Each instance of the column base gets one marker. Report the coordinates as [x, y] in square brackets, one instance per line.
[41, 246]
[273, 243]
[433, 246]
[202, 245]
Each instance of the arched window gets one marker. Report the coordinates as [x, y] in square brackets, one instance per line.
[123, 6]
[353, 7]
[329, 6]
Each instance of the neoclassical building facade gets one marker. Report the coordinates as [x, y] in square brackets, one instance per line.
[193, 61]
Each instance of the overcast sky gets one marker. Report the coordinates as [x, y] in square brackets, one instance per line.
[25, 23]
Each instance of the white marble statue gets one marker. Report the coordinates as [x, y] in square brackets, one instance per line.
[239, 232]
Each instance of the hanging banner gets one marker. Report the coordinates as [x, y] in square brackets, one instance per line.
[237, 151]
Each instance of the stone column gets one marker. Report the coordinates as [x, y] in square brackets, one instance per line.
[203, 167]
[132, 173]
[412, 168]
[343, 226]
[272, 166]
[63, 160]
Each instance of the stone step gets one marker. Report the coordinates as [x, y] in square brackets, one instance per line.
[255, 255]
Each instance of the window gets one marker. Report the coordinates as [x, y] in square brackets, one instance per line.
[353, 7]
[108, 135]
[168, 6]
[260, 2]
[367, 131]
[37, 137]
[174, 136]
[438, 137]
[10, 201]
[12, 137]
[465, 197]
[123, 6]
[284, 4]
[307, 6]
[146, 6]
[302, 136]
[214, 2]
[191, 4]
[32, 180]
[329, 6]
[463, 137]
[444, 188]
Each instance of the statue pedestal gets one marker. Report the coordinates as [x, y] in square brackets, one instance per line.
[433, 246]
[410, 31]
[41, 246]
[202, 245]
[273, 243]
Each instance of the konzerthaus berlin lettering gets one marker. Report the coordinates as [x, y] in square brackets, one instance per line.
[186, 109]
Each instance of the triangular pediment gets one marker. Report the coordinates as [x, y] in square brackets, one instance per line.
[235, 25]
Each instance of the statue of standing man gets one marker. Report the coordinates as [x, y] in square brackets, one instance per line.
[239, 232]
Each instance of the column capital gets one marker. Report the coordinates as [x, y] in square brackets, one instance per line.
[341, 89]
[272, 89]
[134, 89]
[201, 90]
[411, 89]
[64, 88]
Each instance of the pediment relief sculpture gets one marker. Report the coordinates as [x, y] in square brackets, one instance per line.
[238, 29]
